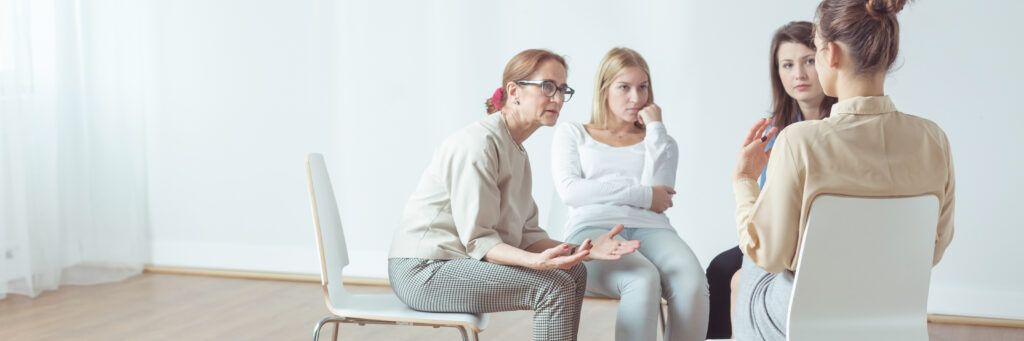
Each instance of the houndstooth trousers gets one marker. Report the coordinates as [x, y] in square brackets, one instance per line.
[473, 286]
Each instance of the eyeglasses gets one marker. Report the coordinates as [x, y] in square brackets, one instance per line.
[550, 89]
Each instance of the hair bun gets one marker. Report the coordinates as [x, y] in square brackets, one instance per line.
[881, 8]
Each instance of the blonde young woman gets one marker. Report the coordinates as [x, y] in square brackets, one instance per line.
[621, 168]
[469, 239]
[865, 148]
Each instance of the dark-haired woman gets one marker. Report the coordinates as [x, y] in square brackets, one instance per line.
[796, 96]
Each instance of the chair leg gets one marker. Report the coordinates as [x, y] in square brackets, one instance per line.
[320, 325]
[337, 321]
[316, 330]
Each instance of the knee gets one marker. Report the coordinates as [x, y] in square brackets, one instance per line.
[723, 266]
[579, 276]
[558, 286]
[561, 281]
[578, 272]
[718, 272]
[686, 284]
[643, 281]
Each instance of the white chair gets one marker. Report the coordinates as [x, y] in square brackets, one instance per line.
[362, 309]
[865, 265]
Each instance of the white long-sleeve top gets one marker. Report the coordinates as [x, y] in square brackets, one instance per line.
[605, 185]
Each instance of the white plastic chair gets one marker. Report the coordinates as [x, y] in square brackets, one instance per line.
[362, 309]
[864, 269]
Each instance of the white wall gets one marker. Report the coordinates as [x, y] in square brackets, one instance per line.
[247, 88]
[962, 69]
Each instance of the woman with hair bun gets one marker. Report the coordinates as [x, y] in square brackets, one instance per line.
[866, 147]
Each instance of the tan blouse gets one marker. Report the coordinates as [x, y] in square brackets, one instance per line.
[866, 148]
[475, 194]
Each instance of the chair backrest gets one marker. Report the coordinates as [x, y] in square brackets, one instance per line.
[330, 238]
[558, 216]
[864, 269]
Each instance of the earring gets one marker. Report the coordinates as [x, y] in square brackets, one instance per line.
[517, 101]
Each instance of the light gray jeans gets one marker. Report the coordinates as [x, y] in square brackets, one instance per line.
[663, 267]
[762, 303]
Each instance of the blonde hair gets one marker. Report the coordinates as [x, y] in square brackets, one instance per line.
[521, 66]
[614, 62]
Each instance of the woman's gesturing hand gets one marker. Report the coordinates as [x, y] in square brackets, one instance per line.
[559, 257]
[606, 247]
[753, 157]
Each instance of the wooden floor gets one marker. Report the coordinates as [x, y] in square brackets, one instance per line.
[176, 307]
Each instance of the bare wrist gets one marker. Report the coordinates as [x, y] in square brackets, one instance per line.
[535, 261]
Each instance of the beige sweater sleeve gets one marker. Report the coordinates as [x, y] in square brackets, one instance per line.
[532, 232]
[471, 178]
[768, 221]
[944, 234]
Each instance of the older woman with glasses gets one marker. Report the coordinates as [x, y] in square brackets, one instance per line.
[621, 168]
[469, 240]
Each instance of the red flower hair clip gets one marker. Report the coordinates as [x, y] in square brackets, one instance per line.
[496, 98]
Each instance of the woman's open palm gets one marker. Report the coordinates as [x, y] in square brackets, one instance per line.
[606, 247]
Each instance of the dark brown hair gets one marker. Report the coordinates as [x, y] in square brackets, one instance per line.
[521, 66]
[785, 109]
[867, 27]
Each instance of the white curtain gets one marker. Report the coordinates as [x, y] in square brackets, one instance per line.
[73, 85]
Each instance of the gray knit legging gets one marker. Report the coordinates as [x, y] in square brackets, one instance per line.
[664, 266]
[472, 286]
[762, 303]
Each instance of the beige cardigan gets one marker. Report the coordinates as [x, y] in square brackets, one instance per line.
[475, 194]
[866, 148]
